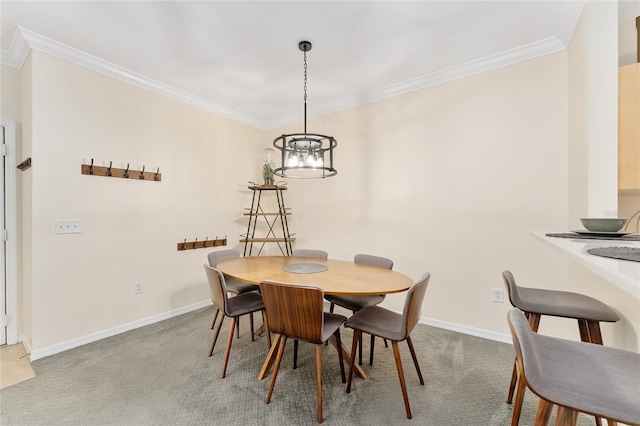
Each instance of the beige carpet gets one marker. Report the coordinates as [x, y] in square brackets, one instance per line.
[14, 365]
[161, 375]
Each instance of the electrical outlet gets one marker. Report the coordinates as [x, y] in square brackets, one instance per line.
[137, 287]
[497, 295]
[68, 226]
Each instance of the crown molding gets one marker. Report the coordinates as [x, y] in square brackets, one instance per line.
[18, 52]
[44, 44]
[25, 40]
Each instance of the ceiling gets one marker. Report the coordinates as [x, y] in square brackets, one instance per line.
[240, 59]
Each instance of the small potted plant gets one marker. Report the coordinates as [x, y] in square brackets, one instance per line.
[267, 169]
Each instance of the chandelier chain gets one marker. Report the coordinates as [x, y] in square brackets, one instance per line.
[305, 76]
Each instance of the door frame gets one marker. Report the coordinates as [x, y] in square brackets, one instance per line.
[11, 251]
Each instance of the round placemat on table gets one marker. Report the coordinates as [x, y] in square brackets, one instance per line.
[304, 268]
[622, 253]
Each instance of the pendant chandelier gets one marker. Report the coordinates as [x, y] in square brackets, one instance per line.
[305, 155]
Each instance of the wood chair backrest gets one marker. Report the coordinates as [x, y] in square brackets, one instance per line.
[295, 311]
[413, 304]
[217, 287]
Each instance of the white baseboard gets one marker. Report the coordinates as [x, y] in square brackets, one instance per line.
[478, 332]
[73, 343]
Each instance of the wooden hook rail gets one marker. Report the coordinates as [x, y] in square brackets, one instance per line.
[90, 169]
[192, 245]
[25, 164]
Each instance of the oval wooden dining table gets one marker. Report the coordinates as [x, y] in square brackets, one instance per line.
[340, 277]
[332, 276]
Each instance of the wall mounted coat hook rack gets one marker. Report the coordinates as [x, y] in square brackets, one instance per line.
[25, 164]
[207, 243]
[90, 169]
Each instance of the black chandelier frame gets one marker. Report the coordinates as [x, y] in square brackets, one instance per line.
[305, 155]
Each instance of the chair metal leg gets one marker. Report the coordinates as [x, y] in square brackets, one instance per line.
[415, 359]
[215, 336]
[340, 357]
[403, 384]
[295, 354]
[360, 351]
[331, 307]
[373, 343]
[253, 337]
[238, 328]
[319, 380]
[354, 347]
[282, 342]
[229, 342]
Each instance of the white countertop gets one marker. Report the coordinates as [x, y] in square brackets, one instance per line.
[625, 274]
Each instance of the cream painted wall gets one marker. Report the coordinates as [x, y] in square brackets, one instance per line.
[449, 179]
[83, 283]
[593, 113]
[10, 93]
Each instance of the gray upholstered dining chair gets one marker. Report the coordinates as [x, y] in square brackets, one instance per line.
[233, 285]
[297, 312]
[233, 307]
[392, 326]
[318, 254]
[534, 302]
[355, 303]
[315, 254]
[576, 376]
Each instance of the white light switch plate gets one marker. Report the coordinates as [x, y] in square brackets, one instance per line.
[68, 226]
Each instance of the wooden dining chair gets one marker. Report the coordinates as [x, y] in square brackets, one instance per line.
[234, 285]
[296, 311]
[315, 254]
[575, 376]
[535, 303]
[355, 303]
[233, 307]
[392, 326]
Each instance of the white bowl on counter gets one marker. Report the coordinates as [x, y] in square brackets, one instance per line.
[603, 224]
